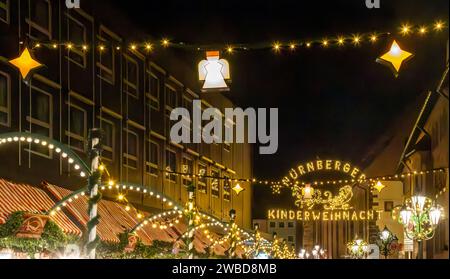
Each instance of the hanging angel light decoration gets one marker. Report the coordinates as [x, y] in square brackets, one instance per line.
[214, 72]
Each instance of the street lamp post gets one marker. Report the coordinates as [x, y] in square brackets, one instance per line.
[358, 248]
[386, 241]
[420, 217]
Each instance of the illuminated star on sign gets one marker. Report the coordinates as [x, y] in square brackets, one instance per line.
[25, 63]
[395, 58]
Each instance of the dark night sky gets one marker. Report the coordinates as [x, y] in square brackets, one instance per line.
[332, 103]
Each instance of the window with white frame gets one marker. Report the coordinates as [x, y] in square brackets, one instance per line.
[202, 180]
[215, 183]
[171, 99]
[106, 56]
[77, 35]
[171, 165]
[5, 99]
[108, 141]
[131, 148]
[77, 129]
[4, 11]
[40, 118]
[154, 88]
[131, 76]
[40, 20]
[152, 160]
[226, 188]
[188, 168]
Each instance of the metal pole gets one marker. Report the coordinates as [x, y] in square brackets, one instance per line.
[420, 251]
[95, 147]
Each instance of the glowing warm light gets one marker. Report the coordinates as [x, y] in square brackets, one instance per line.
[423, 30]
[405, 215]
[308, 191]
[276, 47]
[127, 208]
[69, 46]
[102, 48]
[292, 46]
[148, 47]
[356, 39]
[405, 29]
[25, 63]
[85, 47]
[230, 49]
[133, 47]
[418, 201]
[435, 215]
[214, 71]
[308, 45]
[325, 43]
[238, 189]
[165, 42]
[55, 46]
[395, 57]
[373, 38]
[438, 26]
[341, 41]
[120, 197]
[379, 186]
[111, 183]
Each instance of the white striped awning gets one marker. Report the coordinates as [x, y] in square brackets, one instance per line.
[22, 197]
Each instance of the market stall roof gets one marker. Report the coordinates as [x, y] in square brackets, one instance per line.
[114, 219]
[22, 197]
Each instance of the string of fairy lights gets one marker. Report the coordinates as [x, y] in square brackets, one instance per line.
[276, 185]
[354, 39]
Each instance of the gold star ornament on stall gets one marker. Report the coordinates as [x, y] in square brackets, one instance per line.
[25, 63]
[395, 58]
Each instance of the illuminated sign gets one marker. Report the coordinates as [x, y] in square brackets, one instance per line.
[323, 165]
[325, 215]
[327, 199]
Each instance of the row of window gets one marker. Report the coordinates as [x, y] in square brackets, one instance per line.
[281, 224]
[40, 120]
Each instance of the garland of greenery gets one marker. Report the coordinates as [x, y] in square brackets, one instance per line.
[53, 239]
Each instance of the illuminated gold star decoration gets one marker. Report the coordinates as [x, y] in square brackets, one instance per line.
[395, 58]
[25, 63]
[379, 186]
[238, 189]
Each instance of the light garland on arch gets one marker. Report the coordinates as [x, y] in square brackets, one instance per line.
[277, 187]
[27, 138]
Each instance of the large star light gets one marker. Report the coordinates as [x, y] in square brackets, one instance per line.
[395, 58]
[25, 63]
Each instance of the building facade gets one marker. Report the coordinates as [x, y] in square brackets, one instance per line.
[126, 92]
[416, 143]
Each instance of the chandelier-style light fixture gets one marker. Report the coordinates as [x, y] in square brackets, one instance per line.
[420, 217]
[358, 248]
